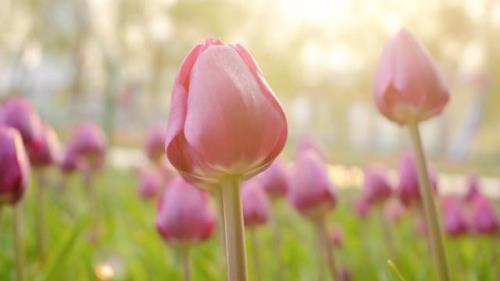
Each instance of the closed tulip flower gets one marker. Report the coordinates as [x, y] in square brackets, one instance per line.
[184, 215]
[18, 113]
[455, 223]
[155, 143]
[409, 87]
[483, 217]
[256, 206]
[408, 189]
[394, 211]
[311, 193]
[151, 182]
[275, 180]
[306, 143]
[47, 152]
[376, 189]
[362, 207]
[69, 161]
[224, 118]
[14, 171]
[473, 189]
[89, 143]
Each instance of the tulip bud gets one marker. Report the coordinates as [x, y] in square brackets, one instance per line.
[47, 152]
[256, 206]
[150, 182]
[454, 220]
[483, 217]
[224, 118]
[18, 113]
[393, 211]
[70, 161]
[473, 189]
[308, 143]
[408, 189]
[408, 88]
[155, 143]
[311, 193]
[89, 143]
[363, 207]
[184, 215]
[376, 189]
[274, 180]
[14, 166]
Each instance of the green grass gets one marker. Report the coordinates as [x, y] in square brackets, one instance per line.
[128, 241]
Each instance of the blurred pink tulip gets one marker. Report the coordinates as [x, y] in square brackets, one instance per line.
[408, 189]
[483, 218]
[376, 189]
[184, 214]
[256, 205]
[311, 192]
[15, 169]
[151, 182]
[455, 223]
[337, 237]
[70, 161]
[89, 143]
[408, 86]
[155, 142]
[275, 180]
[224, 118]
[363, 207]
[473, 189]
[306, 143]
[18, 113]
[47, 152]
[394, 211]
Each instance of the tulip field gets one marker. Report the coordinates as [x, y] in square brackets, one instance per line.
[170, 154]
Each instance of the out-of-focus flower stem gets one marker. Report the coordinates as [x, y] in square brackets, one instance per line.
[186, 265]
[387, 228]
[18, 241]
[325, 248]
[431, 215]
[41, 230]
[255, 254]
[277, 242]
[234, 230]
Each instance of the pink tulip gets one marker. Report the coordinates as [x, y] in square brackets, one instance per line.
[363, 207]
[483, 217]
[408, 88]
[454, 220]
[309, 143]
[408, 189]
[394, 211]
[337, 237]
[70, 161]
[184, 215]
[256, 205]
[47, 152]
[151, 182]
[224, 118]
[18, 113]
[155, 143]
[15, 170]
[376, 189]
[89, 143]
[473, 189]
[275, 180]
[311, 192]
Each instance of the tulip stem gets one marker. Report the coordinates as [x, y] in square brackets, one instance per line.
[387, 234]
[431, 215]
[41, 232]
[18, 241]
[277, 243]
[93, 205]
[186, 265]
[325, 247]
[255, 254]
[235, 236]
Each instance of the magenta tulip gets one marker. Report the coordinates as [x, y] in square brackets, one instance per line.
[14, 171]
[306, 143]
[89, 143]
[311, 192]
[184, 214]
[151, 182]
[394, 211]
[47, 152]
[473, 189]
[483, 218]
[275, 180]
[18, 113]
[455, 223]
[376, 188]
[256, 205]
[155, 142]
[408, 189]
[224, 118]
[70, 161]
[362, 207]
[409, 88]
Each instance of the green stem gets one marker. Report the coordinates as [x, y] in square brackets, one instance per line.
[255, 254]
[186, 265]
[18, 241]
[430, 211]
[325, 248]
[277, 242]
[41, 230]
[386, 228]
[235, 236]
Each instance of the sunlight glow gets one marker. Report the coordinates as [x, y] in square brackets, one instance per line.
[315, 11]
[104, 271]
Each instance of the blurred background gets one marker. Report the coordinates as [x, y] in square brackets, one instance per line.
[114, 62]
